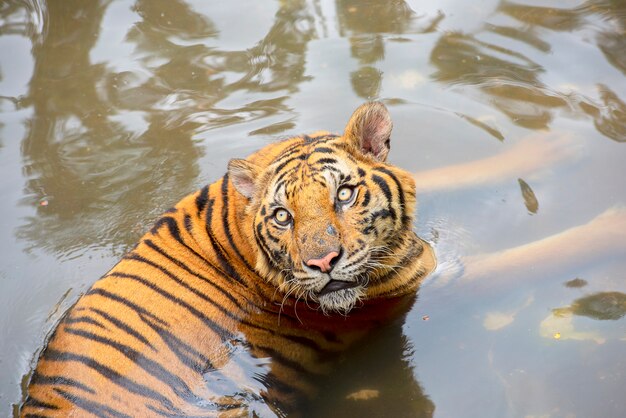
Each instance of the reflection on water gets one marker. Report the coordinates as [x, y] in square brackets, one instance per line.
[366, 24]
[111, 111]
[106, 146]
[561, 324]
[601, 306]
[97, 175]
[384, 388]
[511, 81]
[26, 17]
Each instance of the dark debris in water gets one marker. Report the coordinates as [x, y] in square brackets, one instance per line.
[602, 306]
[530, 200]
[576, 283]
[482, 125]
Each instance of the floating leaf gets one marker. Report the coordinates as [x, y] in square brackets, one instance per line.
[530, 200]
[577, 282]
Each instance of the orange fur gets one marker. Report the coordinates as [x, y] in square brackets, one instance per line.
[219, 284]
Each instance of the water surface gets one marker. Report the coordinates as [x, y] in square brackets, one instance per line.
[511, 114]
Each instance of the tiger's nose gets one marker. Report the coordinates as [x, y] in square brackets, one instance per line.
[324, 264]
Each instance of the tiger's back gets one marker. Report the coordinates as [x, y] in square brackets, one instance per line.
[254, 269]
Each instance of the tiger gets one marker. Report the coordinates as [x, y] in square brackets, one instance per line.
[240, 296]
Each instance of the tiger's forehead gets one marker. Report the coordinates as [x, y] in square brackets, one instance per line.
[311, 163]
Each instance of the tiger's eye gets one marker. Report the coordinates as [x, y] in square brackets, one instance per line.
[282, 216]
[344, 194]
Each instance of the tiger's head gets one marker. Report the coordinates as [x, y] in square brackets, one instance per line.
[327, 213]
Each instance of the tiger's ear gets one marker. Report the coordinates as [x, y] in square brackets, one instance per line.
[369, 129]
[243, 175]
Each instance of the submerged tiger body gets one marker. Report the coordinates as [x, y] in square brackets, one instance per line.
[244, 292]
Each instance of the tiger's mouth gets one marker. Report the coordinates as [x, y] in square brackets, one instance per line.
[340, 298]
[336, 285]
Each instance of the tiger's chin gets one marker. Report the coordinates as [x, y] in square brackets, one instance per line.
[340, 301]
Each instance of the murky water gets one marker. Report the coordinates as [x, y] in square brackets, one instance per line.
[511, 114]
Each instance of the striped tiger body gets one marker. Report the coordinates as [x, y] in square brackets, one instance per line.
[243, 294]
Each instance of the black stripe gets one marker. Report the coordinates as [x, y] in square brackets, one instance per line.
[226, 224]
[36, 403]
[401, 197]
[282, 175]
[324, 168]
[382, 183]
[138, 309]
[222, 309]
[107, 372]
[202, 199]
[382, 213]
[214, 326]
[326, 161]
[324, 150]
[175, 383]
[413, 254]
[279, 184]
[295, 339]
[387, 191]
[286, 162]
[93, 407]
[293, 398]
[188, 225]
[258, 234]
[357, 261]
[217, 248]
[183, 266]
[268, 232]
[366, 198]
[278, 357]
[320, 182]
[402, 289]
[288, 152]
[322, 139]
[188, 355]
[182, 350]
[171, 225]
[301, 157]
[368, 230]
[83, 320]
[182, 283]
[174, 230]
[123, 326]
